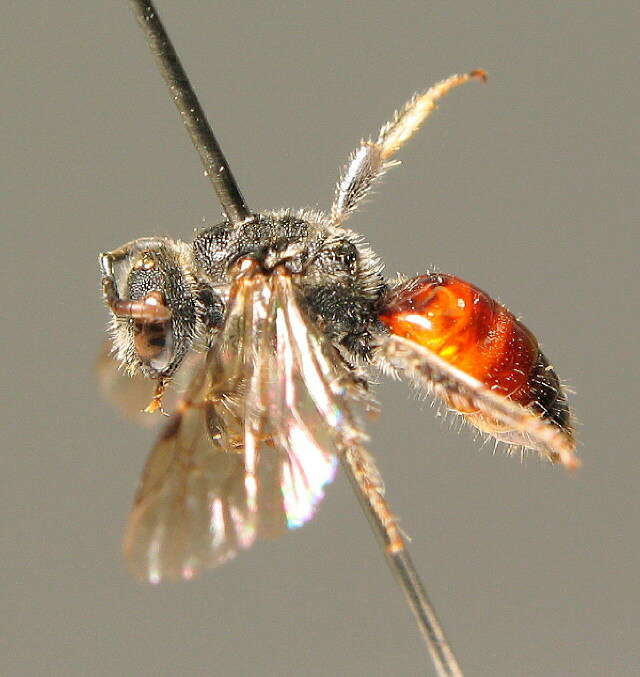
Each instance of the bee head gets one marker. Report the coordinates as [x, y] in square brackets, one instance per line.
[150, 290]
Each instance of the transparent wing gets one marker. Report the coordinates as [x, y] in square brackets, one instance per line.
[309, 403]
[452, 384]
[254, 442]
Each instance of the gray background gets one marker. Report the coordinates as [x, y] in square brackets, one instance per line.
[527, 186]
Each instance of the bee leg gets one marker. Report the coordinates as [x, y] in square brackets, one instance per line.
[373, 158]
[156, 400]
[363, 470]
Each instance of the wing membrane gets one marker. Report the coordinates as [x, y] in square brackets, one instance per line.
[254, 442]
[311, 419]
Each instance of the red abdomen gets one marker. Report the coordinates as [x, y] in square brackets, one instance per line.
[479, 336]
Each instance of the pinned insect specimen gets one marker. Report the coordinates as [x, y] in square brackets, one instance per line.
[289, 311]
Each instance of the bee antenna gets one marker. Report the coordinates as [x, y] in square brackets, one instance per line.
[215, 164]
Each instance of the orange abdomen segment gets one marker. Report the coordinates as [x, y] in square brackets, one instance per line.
[479, 336]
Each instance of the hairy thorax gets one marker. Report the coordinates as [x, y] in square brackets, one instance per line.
[338, 278]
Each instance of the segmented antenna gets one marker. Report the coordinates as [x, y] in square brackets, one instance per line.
[215, 164]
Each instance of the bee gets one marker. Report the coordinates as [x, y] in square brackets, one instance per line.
[274, 320]
[292, 311]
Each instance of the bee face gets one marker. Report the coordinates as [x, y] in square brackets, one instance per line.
[152, 295]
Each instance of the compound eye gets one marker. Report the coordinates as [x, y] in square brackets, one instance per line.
[154, 343]
[153, 337]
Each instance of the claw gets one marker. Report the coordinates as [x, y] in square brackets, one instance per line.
[156, 400]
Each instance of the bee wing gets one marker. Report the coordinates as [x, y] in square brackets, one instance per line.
[254, 441]
[309, 403]
[448, 382]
